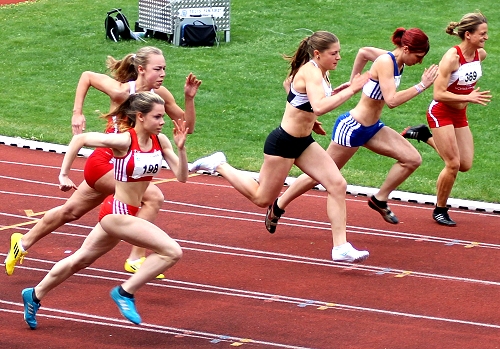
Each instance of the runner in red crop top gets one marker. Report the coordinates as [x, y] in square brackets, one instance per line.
[137, 148]
[139, 165]
[454, 88]
[146, 71]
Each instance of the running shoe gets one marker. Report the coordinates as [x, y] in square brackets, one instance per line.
[347, 253]
[126, 306]
[420, 133]
[15, 254]
[208, 163]
[30, 307]
[271, 220]
[385, 212]
[132, 267]
[443, 218]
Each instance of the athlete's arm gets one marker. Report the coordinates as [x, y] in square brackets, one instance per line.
[176, 162]
[119, 142]
[365, 55]
[103, 83]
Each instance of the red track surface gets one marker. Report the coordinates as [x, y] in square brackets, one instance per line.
[424, 285]
[6, 2]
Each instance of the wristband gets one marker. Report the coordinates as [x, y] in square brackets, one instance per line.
[418, 88]
[422, 84]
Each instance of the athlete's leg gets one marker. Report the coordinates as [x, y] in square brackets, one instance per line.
[272, 177]
[447, 142]
[152, 202]
[81, 201]
[138, 232]
[388, 142]
[95, 245]
[318, 164]
[303, 183]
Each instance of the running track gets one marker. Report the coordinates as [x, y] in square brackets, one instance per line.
[424, 286]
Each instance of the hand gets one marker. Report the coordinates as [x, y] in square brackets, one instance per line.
[317, 128]
[341, 87]
[180, 133]
[358, 81]
[191, 86]
[479, 97]
[429, 76]
[78, 123]
[65, 183]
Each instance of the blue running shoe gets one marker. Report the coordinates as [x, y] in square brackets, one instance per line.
[30, 307]
[126, 306]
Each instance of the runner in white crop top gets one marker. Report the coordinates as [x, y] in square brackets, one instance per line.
[300, 100]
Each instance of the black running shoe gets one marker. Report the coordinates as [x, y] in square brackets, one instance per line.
[443, 218]
[386, 213]
[420, 133]
[271, 220]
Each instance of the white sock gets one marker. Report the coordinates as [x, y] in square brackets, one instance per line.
[340, 247]
[20, 244]
[134, 261]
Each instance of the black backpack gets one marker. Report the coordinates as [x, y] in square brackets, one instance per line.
[198, 34]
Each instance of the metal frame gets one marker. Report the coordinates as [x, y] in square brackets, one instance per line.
[163, 15]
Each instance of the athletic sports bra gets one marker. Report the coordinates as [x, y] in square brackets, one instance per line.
[372, 87]
[300, 101]
[138, 165]
[463, 80]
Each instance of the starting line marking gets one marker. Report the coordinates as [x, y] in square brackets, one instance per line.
[30, 213]
[19, 224]
[173, 179]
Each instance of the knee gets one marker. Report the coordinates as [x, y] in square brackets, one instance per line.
[153, 197]
[172, 252]
[264, 203]
[414, 162]
[453, 166]
[69, 213]
[465, 166]
[79, 264]
[337, 186]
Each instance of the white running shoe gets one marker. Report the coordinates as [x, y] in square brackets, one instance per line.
[347, 253]
[208, 163]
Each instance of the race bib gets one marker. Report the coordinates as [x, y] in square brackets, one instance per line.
[146, 164]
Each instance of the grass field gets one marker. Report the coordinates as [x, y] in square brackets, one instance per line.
[47, 44]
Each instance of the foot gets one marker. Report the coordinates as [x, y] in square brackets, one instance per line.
[30, 307]
[385, 212]
[132, 267]
[420, 133]
[271, 219]
[126, 306]
[443, 218]
[15, 254]
[347, 253]
[208, 163]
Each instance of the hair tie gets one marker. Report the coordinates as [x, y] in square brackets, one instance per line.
[133, 56]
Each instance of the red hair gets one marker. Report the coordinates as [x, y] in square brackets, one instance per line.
[414, 38]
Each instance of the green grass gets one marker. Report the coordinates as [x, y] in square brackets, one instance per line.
[47, 44]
